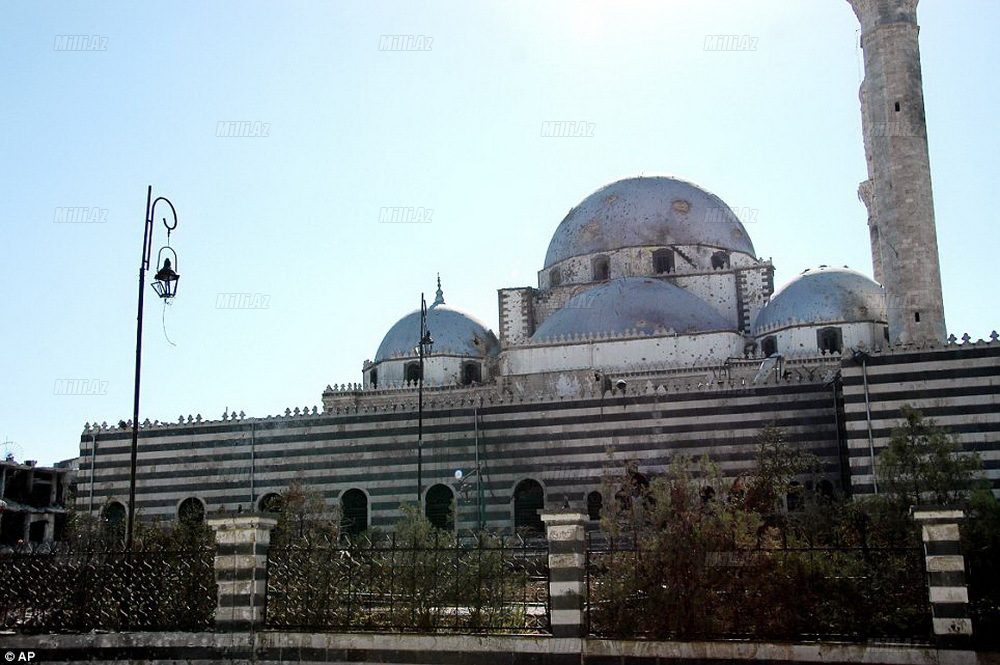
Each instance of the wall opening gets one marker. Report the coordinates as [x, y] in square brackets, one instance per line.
[191, 511]
[411, 372]
[663, 261]
[373, 378]
[439, 507]
[720, 260]
[353, 512]
[769, 346]
[595, 503]
[555, 277]
[114, 514]
[602, 269]
[830, 340]
[795, 499]
[472, 372]
[271, 503]
[529, 498]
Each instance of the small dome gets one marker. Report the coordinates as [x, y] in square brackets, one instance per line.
[654, 211]
[824, 295]
[632, 303]
[454, 333]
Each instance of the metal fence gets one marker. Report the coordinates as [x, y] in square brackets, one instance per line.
[83, 591]
[490, 584]
[984, 597]
[823, 593]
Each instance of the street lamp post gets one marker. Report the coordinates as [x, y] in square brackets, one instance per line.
[165, 287]
[423, 348]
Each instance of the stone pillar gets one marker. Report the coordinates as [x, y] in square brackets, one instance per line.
[241, 545]
[565, 530]
[948, 592]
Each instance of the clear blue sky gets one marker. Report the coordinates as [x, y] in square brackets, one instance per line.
[294, 215]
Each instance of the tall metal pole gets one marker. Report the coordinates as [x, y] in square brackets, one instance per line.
[420, 402]
[479, 479]
[147, 242]
[147, 239]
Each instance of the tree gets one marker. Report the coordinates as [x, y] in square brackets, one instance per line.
[923, 464]
[304, 518]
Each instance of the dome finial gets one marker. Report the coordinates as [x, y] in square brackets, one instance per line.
[439, 295]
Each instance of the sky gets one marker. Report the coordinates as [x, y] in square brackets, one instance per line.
[102, 100]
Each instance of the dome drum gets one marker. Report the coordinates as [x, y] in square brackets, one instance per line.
[649, 212]
[643, 262]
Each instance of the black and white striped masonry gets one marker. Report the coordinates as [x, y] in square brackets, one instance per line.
[949, 595]
[241, 544]
[566, 531]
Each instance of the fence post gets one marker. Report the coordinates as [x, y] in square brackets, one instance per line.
[949, 595]
[565, 530]
[241, 545]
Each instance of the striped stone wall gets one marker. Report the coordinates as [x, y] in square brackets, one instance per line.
[396, 649]
[564, 444]
[957, 385]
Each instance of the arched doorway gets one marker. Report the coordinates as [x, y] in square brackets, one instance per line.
[529, 498]
[439, 507]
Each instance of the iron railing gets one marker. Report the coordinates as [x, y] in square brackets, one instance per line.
[821, 593]
[60, 591]
[489, 584]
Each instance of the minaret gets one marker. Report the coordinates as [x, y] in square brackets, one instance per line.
[898, 190]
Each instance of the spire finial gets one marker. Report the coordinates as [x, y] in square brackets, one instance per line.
[439, 295]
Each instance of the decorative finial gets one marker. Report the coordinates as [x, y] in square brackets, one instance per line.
[439, 295]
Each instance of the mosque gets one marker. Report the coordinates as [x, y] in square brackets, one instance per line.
[654, 330]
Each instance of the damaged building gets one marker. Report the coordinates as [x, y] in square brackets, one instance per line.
[654, 330]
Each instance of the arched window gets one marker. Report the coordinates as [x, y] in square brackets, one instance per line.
[707, 494]
[471, 373]
[411, 372]
[824, 489]
[769, 346]
[795, 497]
[595, 502]
[114, 514]
[555, 277]
[663, 261]
[373, 378]
[191, 511]
[529, 498]
[270, 503]
[439, 509]
[720, 260]
[829, 339]
[602, 270]
[353, 512]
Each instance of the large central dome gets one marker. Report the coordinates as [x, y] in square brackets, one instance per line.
[655, 211]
